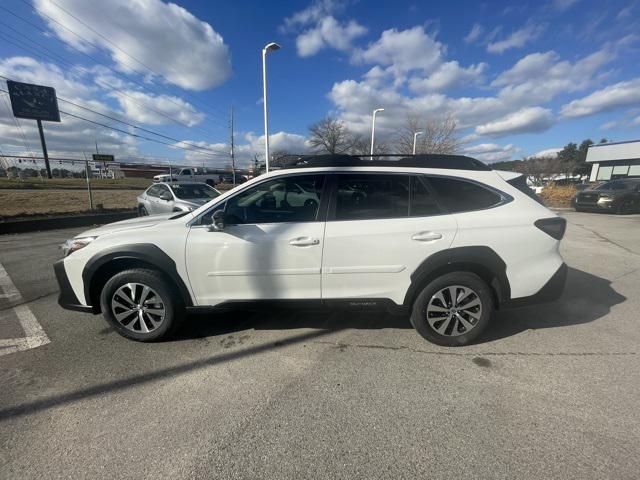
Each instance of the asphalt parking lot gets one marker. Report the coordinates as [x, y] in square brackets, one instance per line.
[549, 392]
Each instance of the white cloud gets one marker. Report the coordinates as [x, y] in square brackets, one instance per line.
[530, 119]
[517, 39]
[492, 152]
[474, 33]
[447, 76]
[328, 33]
[619, 95]
[539, 77]
[404, 50]
[315, 12]
[184, 50]
[143, 107]
[415, 56]
[562, 5]
[547, 152]
[320, 28]
[627, 11]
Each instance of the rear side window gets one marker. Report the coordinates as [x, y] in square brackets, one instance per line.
[423, 203]
[154, 191]
[366, 197]
[462, 196]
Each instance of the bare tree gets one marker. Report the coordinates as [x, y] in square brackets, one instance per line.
[330, 136]
[439, 135]
[361, 145]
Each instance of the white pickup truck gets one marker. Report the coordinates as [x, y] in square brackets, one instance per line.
[190, 174]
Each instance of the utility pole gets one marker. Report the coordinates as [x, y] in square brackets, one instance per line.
[233, 157]
[87, 172]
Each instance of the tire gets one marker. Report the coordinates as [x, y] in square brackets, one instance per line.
[444, 329]
[168, 309]
[625, 208]
[142, 212]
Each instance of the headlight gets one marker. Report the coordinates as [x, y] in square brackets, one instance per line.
[74, 244]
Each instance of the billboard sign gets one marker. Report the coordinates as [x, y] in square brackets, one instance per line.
[34, 102]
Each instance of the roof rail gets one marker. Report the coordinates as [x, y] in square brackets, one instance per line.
[455, 162]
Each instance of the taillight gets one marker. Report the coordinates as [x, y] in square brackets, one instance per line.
[553, 227]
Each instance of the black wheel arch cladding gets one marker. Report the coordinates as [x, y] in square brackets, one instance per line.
[145, 253]
[481, 260]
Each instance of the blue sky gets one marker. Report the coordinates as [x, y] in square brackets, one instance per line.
[518, 78]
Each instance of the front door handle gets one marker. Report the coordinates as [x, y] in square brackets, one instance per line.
[303, 241]
[426, 236]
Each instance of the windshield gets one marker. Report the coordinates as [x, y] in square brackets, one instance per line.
[194, 191]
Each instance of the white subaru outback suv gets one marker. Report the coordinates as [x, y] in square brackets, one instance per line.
[442, 237]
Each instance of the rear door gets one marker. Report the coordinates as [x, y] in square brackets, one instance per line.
[380, 228]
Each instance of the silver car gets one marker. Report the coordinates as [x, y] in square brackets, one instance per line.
[174, 197]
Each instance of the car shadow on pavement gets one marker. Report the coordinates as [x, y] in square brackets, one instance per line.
[222, 323]
[586, 298]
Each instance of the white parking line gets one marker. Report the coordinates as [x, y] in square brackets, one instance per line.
[34, 334]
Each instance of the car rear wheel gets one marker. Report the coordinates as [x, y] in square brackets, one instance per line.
[141, 305]
[625, 207]
[453, 310]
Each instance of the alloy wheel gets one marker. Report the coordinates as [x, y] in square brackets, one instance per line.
[137, 307]
[454, 310]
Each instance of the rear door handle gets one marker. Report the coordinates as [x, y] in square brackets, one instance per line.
[303, 241]
[426, 236]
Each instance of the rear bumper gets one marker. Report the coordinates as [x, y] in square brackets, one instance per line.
[548, 293]
[67, 298]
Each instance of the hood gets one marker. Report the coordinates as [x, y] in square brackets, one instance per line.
[138, 222]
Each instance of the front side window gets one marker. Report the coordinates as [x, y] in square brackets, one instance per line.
[372, 196]
[186, 172]
[457, 195]
[287, 199]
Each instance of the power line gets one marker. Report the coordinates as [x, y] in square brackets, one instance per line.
[193, 145]
[117, 47]
[134, 134]
[211, 153]
[117, 74]
[26, 144]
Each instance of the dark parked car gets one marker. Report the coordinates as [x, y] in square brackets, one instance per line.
[618, 196]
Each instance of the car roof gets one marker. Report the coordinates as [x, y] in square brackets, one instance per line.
[169, 184]
[440, 161]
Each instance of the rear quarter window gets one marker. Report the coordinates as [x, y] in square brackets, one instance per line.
[462, 196]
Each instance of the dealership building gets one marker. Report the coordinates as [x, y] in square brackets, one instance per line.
[614, 160]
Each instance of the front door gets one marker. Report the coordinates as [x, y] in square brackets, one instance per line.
[270, 248]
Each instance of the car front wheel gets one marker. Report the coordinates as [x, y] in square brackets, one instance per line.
[140, 305]
[453, 310]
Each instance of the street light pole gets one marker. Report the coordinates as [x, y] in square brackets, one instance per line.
[373, 128]
[415, 136]
[271, 47]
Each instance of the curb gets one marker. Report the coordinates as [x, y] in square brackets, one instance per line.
[55, 223]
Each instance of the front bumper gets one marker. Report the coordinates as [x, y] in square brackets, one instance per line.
[67, 298]
[548, 293]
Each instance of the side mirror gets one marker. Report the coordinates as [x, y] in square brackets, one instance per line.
[217, 221]
[166, 197]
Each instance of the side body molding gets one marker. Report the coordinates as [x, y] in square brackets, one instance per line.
[482, 260]
[146, 253]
